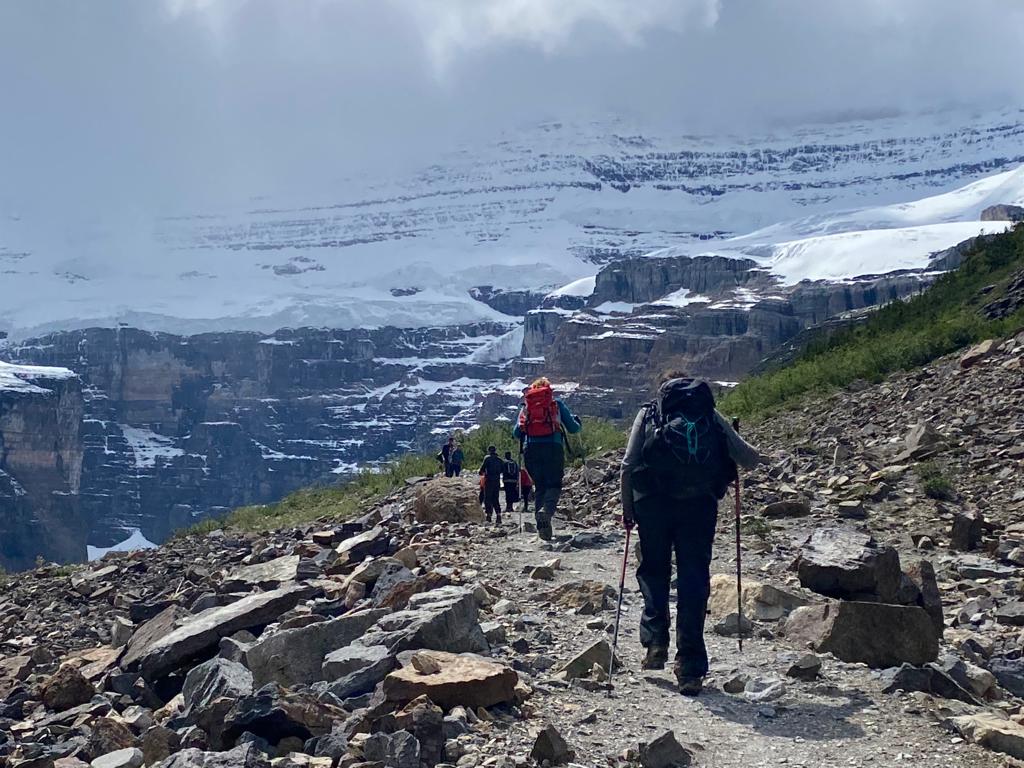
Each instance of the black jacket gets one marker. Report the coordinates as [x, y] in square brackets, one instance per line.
[492, 467]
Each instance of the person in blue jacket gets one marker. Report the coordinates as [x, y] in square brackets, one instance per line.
[539, 428]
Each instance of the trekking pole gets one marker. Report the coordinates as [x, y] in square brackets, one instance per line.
[522, 506]
[618, 608]
[739, 556]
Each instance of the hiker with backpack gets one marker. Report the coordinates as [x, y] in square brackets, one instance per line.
[680, 459]
[510, 481]
[542, 421]
[457, 458]
[444, 456]
[491, 471]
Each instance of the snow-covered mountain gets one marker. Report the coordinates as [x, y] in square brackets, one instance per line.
[536, 209]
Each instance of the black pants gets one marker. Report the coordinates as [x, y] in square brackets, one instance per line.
[545, 462]
[492, 497]
[456, 470]
[511, 496]
[686, 527]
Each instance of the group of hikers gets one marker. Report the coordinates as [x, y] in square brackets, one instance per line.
[680, 460]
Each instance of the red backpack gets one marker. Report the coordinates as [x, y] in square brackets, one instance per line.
[540, 417]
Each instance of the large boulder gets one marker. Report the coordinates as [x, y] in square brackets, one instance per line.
[242, 756]
[296, 656]
[199, 635]
[762, 602]
[66, 688]
[355, 549]
[981, 351]
[453, 680]
[875, 634]
[212, 680]
[444, 619]
[268, 575]
[847, 564]
[448, 499]
[585, 596]
[599, 653]
[357, 669]
[273, 713]
[929, 678]
[921, 574]
[922, 440]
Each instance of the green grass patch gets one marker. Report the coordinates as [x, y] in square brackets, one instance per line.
[935, 483]
[900, 336]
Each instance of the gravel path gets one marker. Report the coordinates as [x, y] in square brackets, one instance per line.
[842, 719]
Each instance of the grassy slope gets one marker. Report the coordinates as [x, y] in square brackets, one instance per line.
[900, 336]
[339, 502]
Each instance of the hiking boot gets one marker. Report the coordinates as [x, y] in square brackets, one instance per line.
[544, 531]
[657, 657]
[689, 685]
[497, 521]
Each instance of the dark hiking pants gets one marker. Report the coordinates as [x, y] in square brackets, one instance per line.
[687, 528]
[545, 463]
[492, 498]
[511, 496]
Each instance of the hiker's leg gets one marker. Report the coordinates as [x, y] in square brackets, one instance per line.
[554, 466]
[654, 572]
[493, 494]
[457, 470]
[693, 536]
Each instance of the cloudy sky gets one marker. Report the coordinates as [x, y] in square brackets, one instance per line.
[173, 104]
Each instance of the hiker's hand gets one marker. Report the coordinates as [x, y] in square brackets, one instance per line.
[627, 520]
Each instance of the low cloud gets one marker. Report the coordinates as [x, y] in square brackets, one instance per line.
[133, 107]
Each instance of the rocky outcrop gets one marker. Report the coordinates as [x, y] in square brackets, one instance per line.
[1003, 213]
[41, 413]
[713, 316]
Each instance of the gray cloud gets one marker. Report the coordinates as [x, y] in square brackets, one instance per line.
[143, 105]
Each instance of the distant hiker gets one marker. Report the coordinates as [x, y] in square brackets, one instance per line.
[445, 456]
[681, 456]
[510, 481]
[457, 458]
[491, 471]
[525, 487]
[540, 425]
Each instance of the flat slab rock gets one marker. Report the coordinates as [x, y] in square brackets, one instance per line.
[461, 680]
[992, 732]
[200, 634]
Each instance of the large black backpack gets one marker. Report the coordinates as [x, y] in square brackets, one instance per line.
[684, 454]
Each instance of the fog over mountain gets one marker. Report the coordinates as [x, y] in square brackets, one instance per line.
[171, 105]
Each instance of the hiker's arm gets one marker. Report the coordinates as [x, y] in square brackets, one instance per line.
[570, 421]
[740, 451]
[629, 462]
[516, 433]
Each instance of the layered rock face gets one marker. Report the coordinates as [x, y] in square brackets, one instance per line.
[712, 316]
[174, 428]
[40, 466]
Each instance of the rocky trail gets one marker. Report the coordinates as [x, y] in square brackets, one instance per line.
[883, 555]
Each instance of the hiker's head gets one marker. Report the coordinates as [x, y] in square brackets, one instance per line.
[670, 374]
[492, 449]
[508, 455]
[451, 441]
[541, 382]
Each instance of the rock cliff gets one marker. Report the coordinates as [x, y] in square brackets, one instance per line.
[41, 413]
